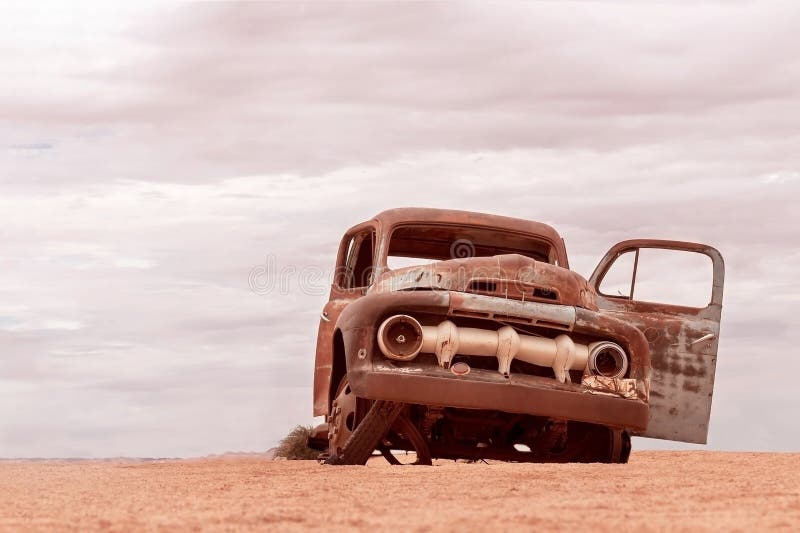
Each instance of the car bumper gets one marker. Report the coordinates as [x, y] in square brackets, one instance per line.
[487, 390]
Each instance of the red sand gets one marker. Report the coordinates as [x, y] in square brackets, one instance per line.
[656, 490]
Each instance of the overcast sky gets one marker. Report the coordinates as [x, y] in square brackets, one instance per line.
[152, 156]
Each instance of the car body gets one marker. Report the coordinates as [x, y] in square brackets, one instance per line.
[495, 349]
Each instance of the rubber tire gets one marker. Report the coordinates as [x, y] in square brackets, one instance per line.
[367, 434]
[625, 448]
[404, 425]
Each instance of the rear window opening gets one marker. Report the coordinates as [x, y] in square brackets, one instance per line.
[545, 294]
[483, 286]
[394, 262]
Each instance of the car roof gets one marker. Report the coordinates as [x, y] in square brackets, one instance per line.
[405, 215]
[410, 215]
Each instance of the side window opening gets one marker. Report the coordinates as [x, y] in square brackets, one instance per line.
[358, 267]
[674, 277]
[660, 275]
[618, 279]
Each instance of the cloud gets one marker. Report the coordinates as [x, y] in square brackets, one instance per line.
[13, 324]
[32, 146]
[187, 145]
[363, 84]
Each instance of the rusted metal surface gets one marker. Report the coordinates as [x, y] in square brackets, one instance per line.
[395, 217]
[511, 277]
[683, 346]
[503, 309]
[482, 389]
[513, 282]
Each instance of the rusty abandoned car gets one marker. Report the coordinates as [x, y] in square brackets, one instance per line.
[463, 335]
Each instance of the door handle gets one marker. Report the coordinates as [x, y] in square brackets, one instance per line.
[706, 337]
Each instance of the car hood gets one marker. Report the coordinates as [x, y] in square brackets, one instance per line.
[510, 276]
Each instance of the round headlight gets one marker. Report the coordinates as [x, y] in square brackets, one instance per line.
[608, 359]
[400, 337]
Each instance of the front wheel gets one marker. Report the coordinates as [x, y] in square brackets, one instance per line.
[353, 435]
[404, 433]
[367, 435]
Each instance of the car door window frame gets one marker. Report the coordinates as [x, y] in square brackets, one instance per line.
[718, 268]
[347, 257]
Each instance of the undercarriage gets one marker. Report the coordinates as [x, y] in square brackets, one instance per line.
[418, 434]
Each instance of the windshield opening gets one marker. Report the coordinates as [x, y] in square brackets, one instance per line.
[419, 244]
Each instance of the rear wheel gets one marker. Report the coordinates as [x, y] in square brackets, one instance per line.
[621, 447]
[587, 443]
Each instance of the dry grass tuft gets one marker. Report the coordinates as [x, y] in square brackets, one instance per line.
[295, 445]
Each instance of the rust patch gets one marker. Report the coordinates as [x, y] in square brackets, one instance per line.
[691, 387]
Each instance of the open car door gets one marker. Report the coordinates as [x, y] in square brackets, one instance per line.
[672, 292]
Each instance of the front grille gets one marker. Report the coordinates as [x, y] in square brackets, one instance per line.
[516, 290]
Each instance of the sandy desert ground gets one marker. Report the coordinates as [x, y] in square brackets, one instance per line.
[655, 491]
